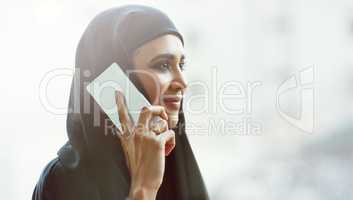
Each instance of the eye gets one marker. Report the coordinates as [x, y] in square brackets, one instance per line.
[162, 66]
[165, 66]
[182, 65]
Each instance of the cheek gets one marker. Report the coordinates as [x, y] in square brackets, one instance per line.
[155, 84]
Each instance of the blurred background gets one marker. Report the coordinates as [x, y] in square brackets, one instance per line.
[291, 145]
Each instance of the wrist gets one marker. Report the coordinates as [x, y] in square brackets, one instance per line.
[142, 193]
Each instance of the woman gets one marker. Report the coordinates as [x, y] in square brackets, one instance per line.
[97, 165]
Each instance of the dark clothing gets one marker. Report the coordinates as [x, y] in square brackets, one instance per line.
[91, 165]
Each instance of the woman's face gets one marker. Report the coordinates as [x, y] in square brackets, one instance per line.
[159, 65]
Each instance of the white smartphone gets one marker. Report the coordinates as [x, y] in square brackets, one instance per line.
[103, 90]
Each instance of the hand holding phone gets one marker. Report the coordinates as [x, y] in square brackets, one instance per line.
[113, 79]
[144, 147]
[145, 151]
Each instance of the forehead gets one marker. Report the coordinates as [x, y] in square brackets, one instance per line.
[166, 44]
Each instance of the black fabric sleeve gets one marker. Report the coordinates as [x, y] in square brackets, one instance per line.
[58, 183]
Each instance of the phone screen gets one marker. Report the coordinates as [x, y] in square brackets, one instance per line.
[103, 88]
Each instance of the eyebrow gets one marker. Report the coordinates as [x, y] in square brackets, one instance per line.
[168, 56]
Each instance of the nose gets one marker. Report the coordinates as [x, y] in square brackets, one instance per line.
[178, 82]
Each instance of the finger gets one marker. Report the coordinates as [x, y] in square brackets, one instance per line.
[124, 118]
[158, 125]
[125, 149]
[168, 140]
[148, 112]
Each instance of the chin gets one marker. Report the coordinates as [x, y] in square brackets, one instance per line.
[173, 119]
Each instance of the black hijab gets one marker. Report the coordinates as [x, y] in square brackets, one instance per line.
[91, 165]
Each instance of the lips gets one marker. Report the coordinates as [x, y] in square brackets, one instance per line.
[172, 102]
[172, 99]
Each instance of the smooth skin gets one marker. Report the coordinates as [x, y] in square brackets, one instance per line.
[159, 65]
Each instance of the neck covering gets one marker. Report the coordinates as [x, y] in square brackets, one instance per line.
[112, 36]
